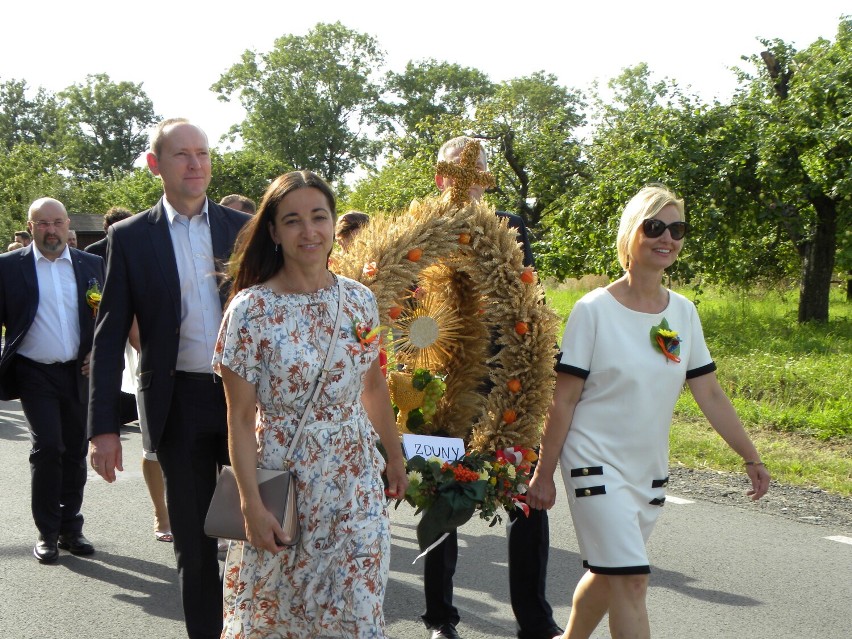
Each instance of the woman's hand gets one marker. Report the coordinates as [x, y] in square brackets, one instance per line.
[397, 479]
[262, 529]
[541, 493]
[759, 477]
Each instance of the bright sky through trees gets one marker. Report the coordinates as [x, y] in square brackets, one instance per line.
[178, 49]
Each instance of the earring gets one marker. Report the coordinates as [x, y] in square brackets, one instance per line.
[277, 246]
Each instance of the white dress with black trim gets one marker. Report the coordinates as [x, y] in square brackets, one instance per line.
[615, 458]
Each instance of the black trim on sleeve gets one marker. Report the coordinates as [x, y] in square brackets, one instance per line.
[626, 570]
[701, 370]
[590, 491]
[659, 483]
[588, 470]
[657, 501]
[571, 370]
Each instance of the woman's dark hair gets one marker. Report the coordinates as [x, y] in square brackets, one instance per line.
[255, 259]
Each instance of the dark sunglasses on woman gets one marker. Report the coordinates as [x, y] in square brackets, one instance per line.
[652, 227]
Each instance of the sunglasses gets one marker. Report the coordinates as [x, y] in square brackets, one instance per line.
[652, 227]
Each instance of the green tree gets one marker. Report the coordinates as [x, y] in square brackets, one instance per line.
[24, 119]
[400, 180]
[311, 100]
[27, 172]
[107, 125]
[531, 124]
[800, 105]
[245, 172]
[431, 92]
[653, 131]
[135, 190]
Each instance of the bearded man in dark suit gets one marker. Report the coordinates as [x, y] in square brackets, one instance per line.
[163, 267]
[47, 305]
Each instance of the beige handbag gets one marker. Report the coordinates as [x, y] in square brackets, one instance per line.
[277, 487]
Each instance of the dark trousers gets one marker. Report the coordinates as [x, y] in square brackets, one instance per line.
[529, 541]
[57, 419]
[193, 447]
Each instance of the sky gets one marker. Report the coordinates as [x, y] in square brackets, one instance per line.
[178, 49]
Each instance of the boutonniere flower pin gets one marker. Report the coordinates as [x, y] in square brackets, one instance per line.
[365, 334]
[666, 340]
[93, 296]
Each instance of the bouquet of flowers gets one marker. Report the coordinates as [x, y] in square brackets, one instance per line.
[448, 493]
[93, 296]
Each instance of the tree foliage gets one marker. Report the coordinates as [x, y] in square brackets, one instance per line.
[27, 172]
[26, 120]
[800, 106]
[107, 125]
[431, 92]
[531, 124]
[244, 172]
[311, 100]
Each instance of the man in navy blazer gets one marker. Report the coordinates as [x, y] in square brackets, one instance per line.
[164, 267]
[45, 362]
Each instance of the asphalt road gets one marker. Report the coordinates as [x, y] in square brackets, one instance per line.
[717, 571]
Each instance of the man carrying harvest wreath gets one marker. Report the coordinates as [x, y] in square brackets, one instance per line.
[529, 536]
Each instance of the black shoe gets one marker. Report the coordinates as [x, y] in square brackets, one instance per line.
[447, 631]
[76, 543]
[45, 549]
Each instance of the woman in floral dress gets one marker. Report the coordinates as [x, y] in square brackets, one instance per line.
[273, 341]
[627, 351]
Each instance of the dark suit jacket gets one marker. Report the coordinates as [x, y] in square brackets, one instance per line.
[98, 248]
[142, 280]
[19, 297]
[517, 222]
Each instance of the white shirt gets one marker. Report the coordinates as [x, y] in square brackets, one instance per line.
[55, 332]
[200, 307]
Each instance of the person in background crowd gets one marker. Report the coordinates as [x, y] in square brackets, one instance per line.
[163, 270]
[626, 353]
[72, 238]
[113, 215]
[14, 246]
[239, 203]
[348, 226]
[23, 237]
[49, 318]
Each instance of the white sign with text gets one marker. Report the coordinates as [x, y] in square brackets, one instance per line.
[446, 448]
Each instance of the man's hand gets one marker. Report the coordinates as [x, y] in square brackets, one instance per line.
[85, 369]
[105, 455]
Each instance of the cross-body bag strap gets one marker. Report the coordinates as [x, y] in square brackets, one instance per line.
[320, 383]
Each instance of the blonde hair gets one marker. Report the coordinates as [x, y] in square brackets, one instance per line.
[647, 203]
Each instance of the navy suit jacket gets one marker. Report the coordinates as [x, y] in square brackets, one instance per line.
[517, 222]
[19, 297]
[142, 281]
[98, 248]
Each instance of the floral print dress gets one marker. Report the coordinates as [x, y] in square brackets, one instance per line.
[332, 583]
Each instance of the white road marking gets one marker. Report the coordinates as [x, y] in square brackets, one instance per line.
[678, 500]
[841, 539]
